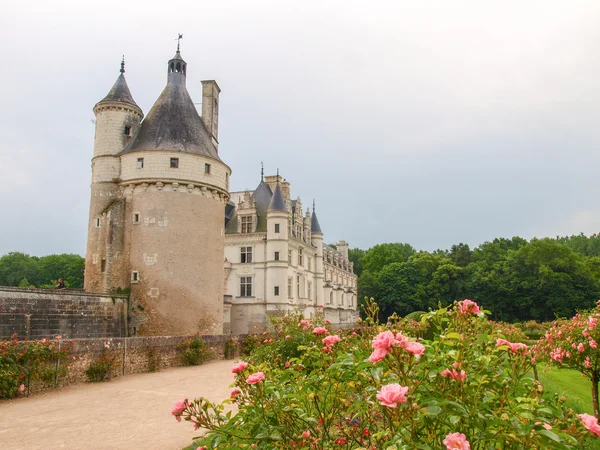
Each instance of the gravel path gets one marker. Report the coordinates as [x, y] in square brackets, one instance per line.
[131, 412]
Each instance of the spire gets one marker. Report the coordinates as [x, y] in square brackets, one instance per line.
[314, 222]
[262, 172]
[277, 201]
[177, 66]
[120, 91]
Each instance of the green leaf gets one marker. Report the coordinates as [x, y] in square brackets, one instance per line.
[550, 435]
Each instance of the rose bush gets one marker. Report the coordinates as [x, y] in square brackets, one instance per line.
[380, 387]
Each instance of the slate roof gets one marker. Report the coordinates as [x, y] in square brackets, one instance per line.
[262, 196]
[277, 201]
[314, 223]
[120, 93]
[173, 123]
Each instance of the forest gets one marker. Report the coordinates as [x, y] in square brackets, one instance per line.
[22, 270]
[516, 279]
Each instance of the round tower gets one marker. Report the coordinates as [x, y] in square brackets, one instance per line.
[317, 240]
[176, 188]
[118, 119]
[277, 249]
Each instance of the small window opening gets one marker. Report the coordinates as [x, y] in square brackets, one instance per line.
[103, 265]
[97, 222]
[178, 68]
[276, 256]
[207, 168]
[140, 163]
[135, 277]
[174, 163]
[276, 290]
[276, 228]
[172, 67]
[127, 131]
[136, 217]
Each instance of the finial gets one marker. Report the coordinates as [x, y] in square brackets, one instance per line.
[179, 38]
[123, 65]
[313, 205]
[262, 172]
[278, 175]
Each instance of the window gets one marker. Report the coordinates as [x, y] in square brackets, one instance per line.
[309, 259]
[276, 256]
[136, 217]
[342, 300]
[207, 168]
[300, 257]
[298, 285]
[140, 163]
[135, 277]
[247, 224]
[290, 287]
[246, 287]
[127, 131]
[309, 290]
[103, 265]
[289, 257]
[276, 228]
[246, 254]
[174, 163]
[97, 222]
[276, 290]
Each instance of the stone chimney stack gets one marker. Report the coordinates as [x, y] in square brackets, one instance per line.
[210, 109]
[342, 247]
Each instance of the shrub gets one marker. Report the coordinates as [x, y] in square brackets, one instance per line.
[24, 362]
[194, 352]
[380, 388]
[153, 358]
[101, 368]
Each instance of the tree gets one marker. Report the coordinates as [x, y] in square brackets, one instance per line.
[377, 257]
[356, 255]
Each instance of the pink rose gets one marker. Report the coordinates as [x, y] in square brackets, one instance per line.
[179, 408]
[590, 422]
[255, 378]
[457, 441]
[22, 388]
[239, 367]
[515, 347]
[306, 434]
[384, 341]
[377, 355]
[415, 348]
[330, 340]
[234, 393]
[392, 394]
[288, 336]
[320, 330]
[287, 364]
[468, 306]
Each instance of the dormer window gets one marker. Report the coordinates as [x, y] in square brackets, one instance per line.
[174, 163]
[246, 224]
[127, 131]
[140, 163]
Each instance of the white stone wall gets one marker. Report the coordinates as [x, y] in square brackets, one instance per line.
[191, 169]
[111, 121]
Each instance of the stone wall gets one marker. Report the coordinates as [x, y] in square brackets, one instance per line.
[46, 313]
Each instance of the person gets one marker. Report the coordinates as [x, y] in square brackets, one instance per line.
[61, 284]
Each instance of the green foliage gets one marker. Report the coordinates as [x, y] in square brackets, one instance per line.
[101, 368]
[17, 268]
[194, 352]
[23, 363]
[328, 397]
[231, 348]
[356, 255]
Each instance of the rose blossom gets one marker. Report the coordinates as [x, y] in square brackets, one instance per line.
[22, 388]
[415, 348]
[457, 441]
[590, 422]
[255, 378]
[378, 355]
[320, 330]
[239, 367]
[234, 393]
[468, 306]
[179, 408]
[392, 394]
[330, 340]
[384, 340]
[306, 434]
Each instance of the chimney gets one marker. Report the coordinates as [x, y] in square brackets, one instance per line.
[210, 109]
[342, 247]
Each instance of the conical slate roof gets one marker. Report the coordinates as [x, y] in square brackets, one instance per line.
[314, 223]
[277, 201]
[262, 196]
[120, 93]
[173, 123]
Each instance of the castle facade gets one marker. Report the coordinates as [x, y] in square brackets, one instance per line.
[161, 224]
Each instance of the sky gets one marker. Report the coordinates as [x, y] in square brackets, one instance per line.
[426, 122]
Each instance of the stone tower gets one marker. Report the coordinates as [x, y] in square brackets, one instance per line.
[118, 119]
[172, 188]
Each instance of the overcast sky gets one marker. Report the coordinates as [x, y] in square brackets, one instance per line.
[427, 122]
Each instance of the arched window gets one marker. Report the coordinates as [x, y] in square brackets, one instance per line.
[172, 67]
[178, 67]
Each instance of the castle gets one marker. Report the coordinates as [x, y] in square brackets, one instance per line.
[162, 222]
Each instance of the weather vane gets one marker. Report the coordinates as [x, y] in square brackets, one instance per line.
[179, 38]
[123, 65]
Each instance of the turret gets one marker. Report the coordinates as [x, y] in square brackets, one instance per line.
[117, 121]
